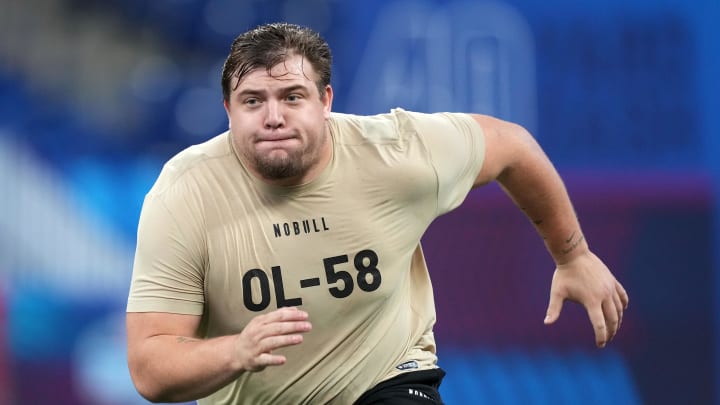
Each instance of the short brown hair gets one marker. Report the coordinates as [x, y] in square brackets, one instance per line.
[267, 45]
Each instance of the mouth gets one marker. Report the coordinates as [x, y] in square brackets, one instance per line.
[276, 141]
[275, 137]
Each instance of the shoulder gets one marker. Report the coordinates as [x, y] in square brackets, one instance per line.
[360, 129]
[192, 162]
[395, 125]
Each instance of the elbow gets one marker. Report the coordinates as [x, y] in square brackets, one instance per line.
[152, 393]
[146, 391]
[148, 388]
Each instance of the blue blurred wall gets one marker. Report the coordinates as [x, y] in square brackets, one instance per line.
[623, 96]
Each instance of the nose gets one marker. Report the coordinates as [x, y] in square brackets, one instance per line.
[274, 115]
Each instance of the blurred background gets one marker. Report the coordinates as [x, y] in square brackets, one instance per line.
[623, 95]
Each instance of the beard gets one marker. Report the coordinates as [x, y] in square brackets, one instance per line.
[289, 164]
[282, 167]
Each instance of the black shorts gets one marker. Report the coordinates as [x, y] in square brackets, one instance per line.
[412, 388]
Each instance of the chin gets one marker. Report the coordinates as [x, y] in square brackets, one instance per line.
[279, 168]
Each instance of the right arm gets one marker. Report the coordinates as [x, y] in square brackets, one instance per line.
[169, 360]
[169, 363]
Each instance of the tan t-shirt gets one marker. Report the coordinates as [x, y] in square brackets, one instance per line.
[215, 241]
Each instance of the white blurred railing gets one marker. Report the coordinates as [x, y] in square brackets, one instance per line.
[47, 240]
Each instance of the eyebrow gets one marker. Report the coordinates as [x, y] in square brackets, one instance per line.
[282, 90]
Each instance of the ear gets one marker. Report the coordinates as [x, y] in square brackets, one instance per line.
[226, 104]
[327, 101]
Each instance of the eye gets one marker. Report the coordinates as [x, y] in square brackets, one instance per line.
[251, 101]
[293, 98]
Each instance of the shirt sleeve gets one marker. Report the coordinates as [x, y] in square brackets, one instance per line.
[456, 149]
[168, 271]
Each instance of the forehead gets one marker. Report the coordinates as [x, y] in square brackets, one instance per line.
[294, 69]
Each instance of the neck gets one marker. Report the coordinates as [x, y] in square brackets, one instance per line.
[315, 169]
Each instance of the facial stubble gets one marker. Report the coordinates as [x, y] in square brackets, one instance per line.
[292, 163]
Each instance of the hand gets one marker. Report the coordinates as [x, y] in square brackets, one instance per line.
[265, 333]
[587, 281]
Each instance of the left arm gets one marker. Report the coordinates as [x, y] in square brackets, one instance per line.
[515, 160]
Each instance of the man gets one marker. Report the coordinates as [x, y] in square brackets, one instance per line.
[280, 262]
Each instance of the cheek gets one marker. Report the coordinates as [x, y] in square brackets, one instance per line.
[315, 122]
[241, 135]
[315, 131]
[242, 125]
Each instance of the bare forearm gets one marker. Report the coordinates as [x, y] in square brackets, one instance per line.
[580, 276]
[167, 367]
[535, 186]
[515, 160]
[177, 369]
